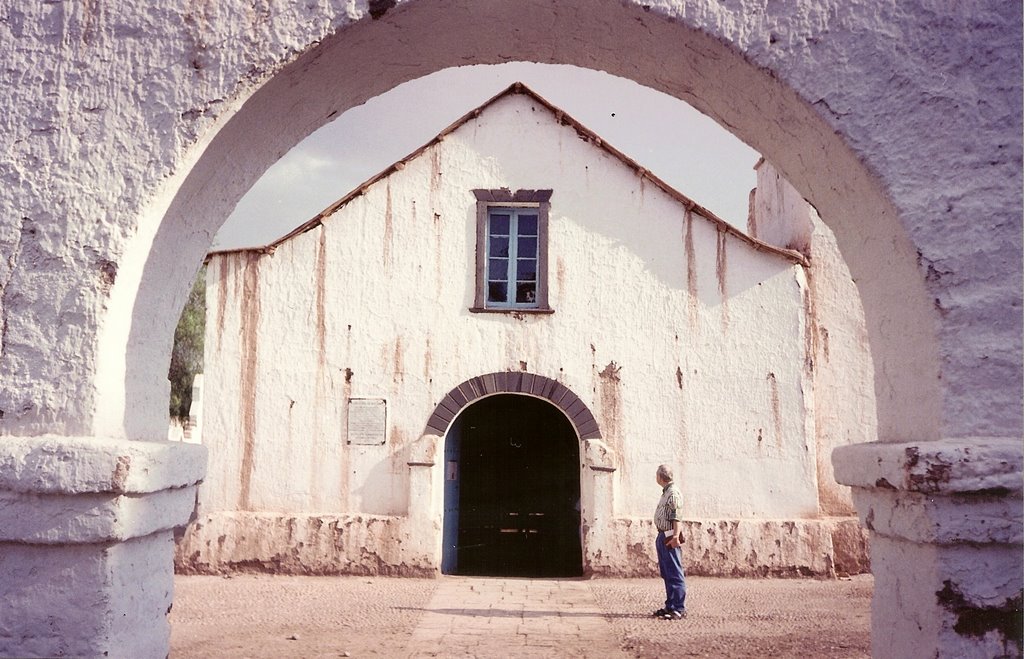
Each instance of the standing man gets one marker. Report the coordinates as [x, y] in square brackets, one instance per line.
[667, 519]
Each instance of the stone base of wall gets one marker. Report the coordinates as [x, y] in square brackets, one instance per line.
[828, 547]
[221, 543]
[277, 543]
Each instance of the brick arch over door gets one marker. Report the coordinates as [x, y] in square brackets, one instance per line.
[514, 382]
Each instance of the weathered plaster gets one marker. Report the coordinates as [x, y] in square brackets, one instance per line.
[946, 534]
[837, 356]
[734, 548]
[53, 464]
[224, 543]
[86, 600]
[349, 295]
[304, 544]
[130, 131]
[86, 540]
[988, 465]
[802, 137]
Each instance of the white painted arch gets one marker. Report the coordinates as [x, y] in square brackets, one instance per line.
[135, 127]
[667, 49]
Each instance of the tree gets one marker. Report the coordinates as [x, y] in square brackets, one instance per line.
[187, 353]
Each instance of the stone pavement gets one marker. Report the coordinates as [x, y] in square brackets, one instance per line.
[472, 617]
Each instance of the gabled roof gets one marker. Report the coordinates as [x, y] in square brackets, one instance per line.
[563, 118]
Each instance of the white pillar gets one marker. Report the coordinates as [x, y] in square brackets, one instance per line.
[423, 526]
[946, 544]
[597, 495]
[87, 541]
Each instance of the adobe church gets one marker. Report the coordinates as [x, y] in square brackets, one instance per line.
[440, 373]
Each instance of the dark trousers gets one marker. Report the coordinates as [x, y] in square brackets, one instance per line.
[670, 564]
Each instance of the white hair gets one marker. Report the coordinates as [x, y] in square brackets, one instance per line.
[665, 473]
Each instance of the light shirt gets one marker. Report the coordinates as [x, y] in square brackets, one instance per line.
[669, 507]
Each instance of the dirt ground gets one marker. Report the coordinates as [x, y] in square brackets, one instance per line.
[277, 616]
[746, 618]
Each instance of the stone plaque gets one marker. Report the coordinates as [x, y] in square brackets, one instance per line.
[367, 421]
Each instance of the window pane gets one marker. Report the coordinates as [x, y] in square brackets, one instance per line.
[497, 269]
[499, 247]
[528, 247]
[526, 292]
[526, 270]
[497, 291]
[527, 225]
[499, 225]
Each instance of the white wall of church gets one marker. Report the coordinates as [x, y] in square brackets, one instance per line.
[844, 396]
[375, 303]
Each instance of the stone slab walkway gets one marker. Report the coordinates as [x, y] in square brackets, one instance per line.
[470, 617]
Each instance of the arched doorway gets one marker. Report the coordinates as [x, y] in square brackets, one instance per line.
[512, 490]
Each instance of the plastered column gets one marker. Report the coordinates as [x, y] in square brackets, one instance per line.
[597, 494]
[946, 544]
[426, 497]
[86, 543]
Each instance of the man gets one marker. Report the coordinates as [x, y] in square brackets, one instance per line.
[667, 519]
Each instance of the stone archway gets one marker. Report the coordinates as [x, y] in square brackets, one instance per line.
[665, 52]
[597, 460]
[513, 382]
[903, 129]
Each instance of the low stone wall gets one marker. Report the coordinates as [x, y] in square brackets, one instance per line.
[228, 542]
[825, 547]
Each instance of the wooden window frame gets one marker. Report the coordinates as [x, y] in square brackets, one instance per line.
[503, 197]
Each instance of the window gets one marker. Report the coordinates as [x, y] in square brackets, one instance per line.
[511, 251]
[511, 256]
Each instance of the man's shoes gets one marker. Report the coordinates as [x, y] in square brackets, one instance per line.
[660, 612]
[673, 615]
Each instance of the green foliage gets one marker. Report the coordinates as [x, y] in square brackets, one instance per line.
[187, 354]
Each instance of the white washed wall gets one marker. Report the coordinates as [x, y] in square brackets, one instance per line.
[127, 118]
[844, 394]
[375, 303]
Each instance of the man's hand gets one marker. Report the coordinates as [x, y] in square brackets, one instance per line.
[676, 538]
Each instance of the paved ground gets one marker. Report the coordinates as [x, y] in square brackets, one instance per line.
[268, 616]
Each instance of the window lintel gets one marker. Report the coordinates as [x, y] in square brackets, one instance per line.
[505, 195]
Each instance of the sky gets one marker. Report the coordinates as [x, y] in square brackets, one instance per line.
[681, 146]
